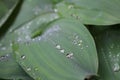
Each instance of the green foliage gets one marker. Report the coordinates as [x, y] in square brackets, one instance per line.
[59, 40]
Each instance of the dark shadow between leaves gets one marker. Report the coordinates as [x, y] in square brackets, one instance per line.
[5, 27]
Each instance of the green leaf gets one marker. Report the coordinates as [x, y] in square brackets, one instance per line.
[9, 63]
[6, 8]
[31, 9]
[111, 7]
[86, 15]
[108, 45]
[64, 50]
[9, 68]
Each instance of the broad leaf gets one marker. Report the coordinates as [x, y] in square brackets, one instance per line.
[6, 8]
[108, 45]
[9, 68]
[111, 7]
[86, 15]
[63, 50]
[7, 57]
[31, 9]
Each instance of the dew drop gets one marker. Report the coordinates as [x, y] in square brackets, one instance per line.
[79, 44]
[58, 46]
[73, 15]
[62, 50]
[69, 55]
[55, 10]
[116, 67]
[74, 42]
[70, 6]
[4, 57]
[77, 17]
[11, 44]
[81, 41]
[118, 55]
[23, 57]
[28, 69]
[19, 39]
[87, 46]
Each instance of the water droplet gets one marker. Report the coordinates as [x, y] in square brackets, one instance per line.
[118, 55]
[116, 67]
[28, 69]
[70, 6]
[87, 46]
[77, 17]
[81, 41]
[79, 44]
[11, 44]
[73, 15]
[62, 50]
[4, 57]
[23, 57]
[69, 55]
[74, 42]
[55, 10]
[58, 46]
[19, 39]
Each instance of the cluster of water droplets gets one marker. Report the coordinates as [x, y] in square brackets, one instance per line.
[3, 49]
[78, 42]
[24, 33]
[114, 59]
[29, 69]
[70, 7]
[67, 54]
[4, 57]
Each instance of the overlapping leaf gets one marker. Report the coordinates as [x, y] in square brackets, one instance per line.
[87, 14]
[31, 9]
[108, 45]
[61, 51]
[9, 68]
[6, 8]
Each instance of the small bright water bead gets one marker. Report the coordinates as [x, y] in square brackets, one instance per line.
[116, 67]
[28, 69]
[69, 55]
[4, 57]
[62, 50]
[58, 46]
[55, 10]
[70, 6]
[23, 57]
